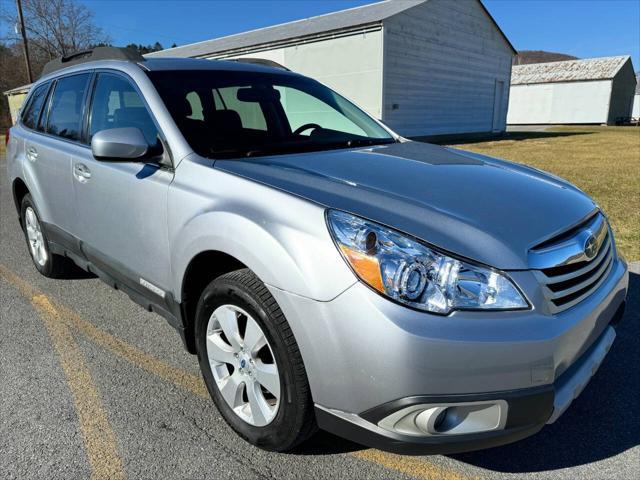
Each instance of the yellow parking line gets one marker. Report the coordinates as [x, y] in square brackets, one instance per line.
[412, 466]
[98, 437]
[99, 440]
[177, 376]
[419, 468]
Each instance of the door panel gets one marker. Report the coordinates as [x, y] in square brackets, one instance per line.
[54, 138]
[47, 164]
[122, 217]
[122, 206]
[48, 167]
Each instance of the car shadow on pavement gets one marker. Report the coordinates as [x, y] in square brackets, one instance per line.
[73, 272]
[603, 422]
[325, 443]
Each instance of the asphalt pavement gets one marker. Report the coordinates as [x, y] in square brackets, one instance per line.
[91, 385]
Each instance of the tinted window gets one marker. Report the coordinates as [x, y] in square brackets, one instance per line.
[304, 109]
[65, 113]
[250, 113]
[31, 113]
[116, 104]
[234, 114]
[196, 106]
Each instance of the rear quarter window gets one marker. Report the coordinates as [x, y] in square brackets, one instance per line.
[34, 106]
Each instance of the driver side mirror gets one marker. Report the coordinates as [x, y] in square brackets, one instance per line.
[124, 144]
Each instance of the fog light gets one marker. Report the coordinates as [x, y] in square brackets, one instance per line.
[448, 419]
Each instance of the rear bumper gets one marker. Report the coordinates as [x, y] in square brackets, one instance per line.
[528, 411]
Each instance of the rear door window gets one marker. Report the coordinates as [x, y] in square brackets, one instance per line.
[67, 107]
[32, 111]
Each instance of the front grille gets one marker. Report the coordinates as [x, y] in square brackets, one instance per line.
[573, 280]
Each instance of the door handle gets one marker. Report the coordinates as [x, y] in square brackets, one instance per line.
[32, 154]
[81, 172]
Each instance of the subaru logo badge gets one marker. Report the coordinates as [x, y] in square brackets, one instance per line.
[591, 247]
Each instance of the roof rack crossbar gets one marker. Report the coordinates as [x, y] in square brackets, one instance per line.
[257, 61]
[91, 55]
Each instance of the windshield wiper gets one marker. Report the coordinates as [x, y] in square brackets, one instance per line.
[227, 153]
[365, 142]
[252, 151]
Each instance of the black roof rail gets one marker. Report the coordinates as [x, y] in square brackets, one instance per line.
[97, 53]
[258, 61]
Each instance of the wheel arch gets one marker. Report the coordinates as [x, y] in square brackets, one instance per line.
[19, 189]
[201, 270]
[296, 256]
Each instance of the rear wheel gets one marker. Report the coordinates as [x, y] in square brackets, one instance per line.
[47, 263]
[251, 363]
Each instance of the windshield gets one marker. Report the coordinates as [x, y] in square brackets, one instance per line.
[232, 114]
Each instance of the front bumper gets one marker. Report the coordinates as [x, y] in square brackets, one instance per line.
[528, 411]
[363, 353]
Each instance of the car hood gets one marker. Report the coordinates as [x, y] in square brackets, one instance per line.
[481, 208]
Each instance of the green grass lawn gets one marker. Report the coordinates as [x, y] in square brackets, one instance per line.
[602, 161]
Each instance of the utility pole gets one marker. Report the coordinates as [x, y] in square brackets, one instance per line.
[24, 40]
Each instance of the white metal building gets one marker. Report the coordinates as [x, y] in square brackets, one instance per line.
[635, 114]
[425, 67]
[594, 90]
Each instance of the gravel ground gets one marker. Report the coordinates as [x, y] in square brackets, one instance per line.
[160, 423]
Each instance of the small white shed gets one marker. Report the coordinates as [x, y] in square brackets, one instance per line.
[594, 90]
[425, 67]
[15, 98]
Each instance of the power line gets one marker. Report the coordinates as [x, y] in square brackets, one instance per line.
[25, 45]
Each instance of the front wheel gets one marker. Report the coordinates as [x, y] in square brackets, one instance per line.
[251, 363]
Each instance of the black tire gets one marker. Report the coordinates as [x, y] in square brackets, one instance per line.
[294, 421]
[56, 266]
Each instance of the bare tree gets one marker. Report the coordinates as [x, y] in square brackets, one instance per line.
[13, 75]
[54, 28]
[59, 27]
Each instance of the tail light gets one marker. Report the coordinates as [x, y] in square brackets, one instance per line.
[6, 137]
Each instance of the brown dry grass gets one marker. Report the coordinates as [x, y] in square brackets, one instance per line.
[602, 161]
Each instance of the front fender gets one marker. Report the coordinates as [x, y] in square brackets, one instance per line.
[283, 239]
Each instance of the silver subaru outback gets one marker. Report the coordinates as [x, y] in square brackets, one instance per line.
[327, 272]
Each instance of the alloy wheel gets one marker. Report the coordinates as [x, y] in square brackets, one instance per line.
[34, 235]
[243, 365]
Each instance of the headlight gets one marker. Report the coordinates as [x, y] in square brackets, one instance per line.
[416, 275]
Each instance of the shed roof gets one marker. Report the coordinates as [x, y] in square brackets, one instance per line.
[330, 22]
[351, 17]
[17, 90]
[568, 71]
